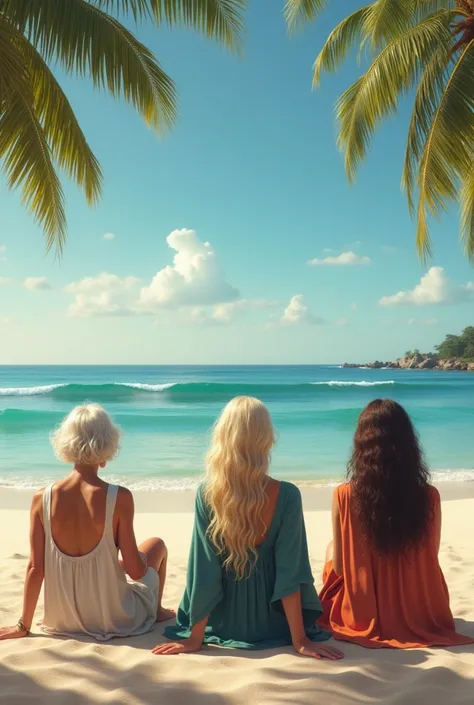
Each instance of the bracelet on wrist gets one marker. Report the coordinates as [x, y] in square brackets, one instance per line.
[22, 627]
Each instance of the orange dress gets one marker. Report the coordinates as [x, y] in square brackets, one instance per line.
[395, 601]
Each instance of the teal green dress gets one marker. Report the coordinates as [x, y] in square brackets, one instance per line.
[248, 613]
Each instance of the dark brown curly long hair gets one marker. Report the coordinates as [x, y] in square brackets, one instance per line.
[390, 479]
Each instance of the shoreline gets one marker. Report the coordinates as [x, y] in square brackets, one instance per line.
[316, 497]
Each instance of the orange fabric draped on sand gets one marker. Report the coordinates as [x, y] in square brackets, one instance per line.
[396, 601]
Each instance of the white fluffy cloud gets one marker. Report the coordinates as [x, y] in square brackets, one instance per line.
[104, 295]
[343, 323]
[434, 288]
[298, 312]
[194, 279]
[109, 236]
[226, 313]
[345, 259]
[4, 281]
[37, 284]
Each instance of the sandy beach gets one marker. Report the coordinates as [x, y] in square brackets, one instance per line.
[56, 670]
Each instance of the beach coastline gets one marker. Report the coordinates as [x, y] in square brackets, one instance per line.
[166, 414]
[316, 497]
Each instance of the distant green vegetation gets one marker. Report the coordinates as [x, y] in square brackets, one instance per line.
[412, 353]
[461, 346]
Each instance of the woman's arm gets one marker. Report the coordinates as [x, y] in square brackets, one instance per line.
[204, 589]
[134, 562]
[34, 573]
[186, 646]
[302, 645]
[336, 536]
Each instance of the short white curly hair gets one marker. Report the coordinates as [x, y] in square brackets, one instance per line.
[87, 436]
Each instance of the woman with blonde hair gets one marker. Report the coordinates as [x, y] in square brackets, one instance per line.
[249, 581]
[78, 526]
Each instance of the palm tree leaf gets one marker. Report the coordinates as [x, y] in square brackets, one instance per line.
[219, 19]
[447, 155]
[61, 128]
[297, 12]
[430, 88]
[91, 43]
[27, 161]
[138, 9]
[467, 211]
[387, 19]
[375, 94]
[339, 43]
[13, 70]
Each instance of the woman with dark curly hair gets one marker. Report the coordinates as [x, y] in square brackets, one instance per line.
[383, 585]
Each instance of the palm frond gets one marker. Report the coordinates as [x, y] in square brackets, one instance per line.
[222, 20]
[68, 144]
[388, 19]
[375, 95]
[27, 161]
[91, 43]
[219, 19]
[466, 199]
[138, 9]
[339, 43]
[428, 94]
[297, 12]
[13, 70]
[447, 155]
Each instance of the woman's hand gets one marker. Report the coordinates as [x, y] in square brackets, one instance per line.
[12, 632]
[306, 647]
[186, 646]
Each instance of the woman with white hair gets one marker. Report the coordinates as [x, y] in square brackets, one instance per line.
[249, 580]
[78, 526]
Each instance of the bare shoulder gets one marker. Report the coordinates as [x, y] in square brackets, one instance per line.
[124, 500]
[434, 494]
[36, 510]
[37, 500]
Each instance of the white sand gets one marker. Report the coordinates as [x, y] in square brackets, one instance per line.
[41, 669]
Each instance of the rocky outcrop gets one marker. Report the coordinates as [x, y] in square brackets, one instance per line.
[418, 362]
[455, 363]
[429, 364]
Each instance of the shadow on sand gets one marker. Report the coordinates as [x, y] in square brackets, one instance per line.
[79, 675]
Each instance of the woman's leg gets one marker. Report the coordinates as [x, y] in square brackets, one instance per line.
[157, 557]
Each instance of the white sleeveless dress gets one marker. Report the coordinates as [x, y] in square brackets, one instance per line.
[91, 594]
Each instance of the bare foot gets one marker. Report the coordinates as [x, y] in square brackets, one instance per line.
[163, 615]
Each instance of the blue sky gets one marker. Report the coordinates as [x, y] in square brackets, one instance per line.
[253, 169]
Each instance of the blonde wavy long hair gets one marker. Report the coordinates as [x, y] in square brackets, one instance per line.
[237, 470]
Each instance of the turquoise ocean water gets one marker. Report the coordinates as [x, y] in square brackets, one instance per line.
[166, 414]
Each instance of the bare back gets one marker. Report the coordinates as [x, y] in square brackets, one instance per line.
[78, 514]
